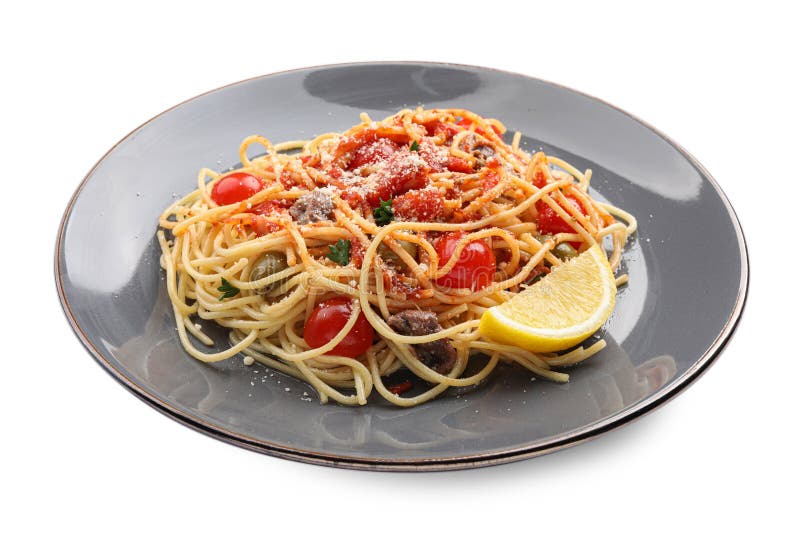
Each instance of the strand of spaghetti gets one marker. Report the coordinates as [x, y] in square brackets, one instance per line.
[630, 220]
[204, 186]
[294, 371]
[422, 276]
[212, 357]
[413, 134]
[172, 289]
[452, 313]
[358, 399]
[431, 393]
[575, 356]
[198, 276]
[614, 228]
[248, 248]
[306, 259]
[381, 293]
[579, 229]
[515, 141]
[536, 246]
[506, 349]
[575, 213]
[616, 256]
[268, 280]
[292, 336]
[558, 377]
[192, 328]
[286, 146]
[177, 205]
[481, 201]
[253, 139]
[424, 372]
[577, 174]
[328, 346]
[596, 213]
[399, 400]
[218, 212]
[351, 227]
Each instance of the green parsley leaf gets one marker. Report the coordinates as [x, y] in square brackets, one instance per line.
[414, 147]
[340, 252]
[383, 214]
[227, 290]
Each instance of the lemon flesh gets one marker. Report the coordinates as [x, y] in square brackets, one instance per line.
[561, 310]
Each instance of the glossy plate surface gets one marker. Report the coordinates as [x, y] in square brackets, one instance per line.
[682, 304]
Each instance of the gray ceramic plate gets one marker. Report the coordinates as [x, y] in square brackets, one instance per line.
[675, 316]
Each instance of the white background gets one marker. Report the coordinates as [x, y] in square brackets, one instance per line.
[80, 452]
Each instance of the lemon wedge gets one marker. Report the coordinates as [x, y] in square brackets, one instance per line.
[561, 310]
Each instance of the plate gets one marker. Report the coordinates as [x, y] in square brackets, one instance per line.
[688, 272]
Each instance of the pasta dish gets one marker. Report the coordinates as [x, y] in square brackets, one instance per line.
[357, 260]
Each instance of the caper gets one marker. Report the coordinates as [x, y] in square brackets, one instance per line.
[389, 255]
[565, 251]
[268, 264]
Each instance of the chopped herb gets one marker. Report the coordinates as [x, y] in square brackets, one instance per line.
[414, 147]
[383, 214]
[227, 290]
[340, 252]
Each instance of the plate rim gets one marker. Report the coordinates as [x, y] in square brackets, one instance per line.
[520, 452]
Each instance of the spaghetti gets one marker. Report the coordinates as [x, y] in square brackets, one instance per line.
[347, 258]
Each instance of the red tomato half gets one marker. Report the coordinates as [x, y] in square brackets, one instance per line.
[329, 318]
[474, 268]
[235, 188]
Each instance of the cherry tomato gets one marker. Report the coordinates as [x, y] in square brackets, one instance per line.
[474, 268]
[549, 221]
[235, 188]
[328, 319]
